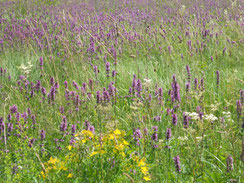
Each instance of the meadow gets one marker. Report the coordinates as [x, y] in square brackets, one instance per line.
[121, 91]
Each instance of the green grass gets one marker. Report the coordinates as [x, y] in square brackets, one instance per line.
[207, 144]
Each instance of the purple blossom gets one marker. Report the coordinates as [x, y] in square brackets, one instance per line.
[157, 118]
[177, 164]
[31, 142]
[238, 108]
[73, 128]
[175, 92]
[107, 68]
[137, 136]
[9, 117]
[66, 84]
[91, 84]
[13, 109]
[168, 134]
[185, 120]
[10, 127]
[145, 131]
[174, 119]
[63, 126]
[43, 135]
[41, 62]
[217, 80]
[229, 162]
[188, 74]
[98, 97]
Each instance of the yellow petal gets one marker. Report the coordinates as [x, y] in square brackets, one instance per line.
[146, 178]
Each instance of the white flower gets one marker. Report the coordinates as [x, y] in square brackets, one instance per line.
[193, 115]
[147, 82]
[210, 117]
[183, 138]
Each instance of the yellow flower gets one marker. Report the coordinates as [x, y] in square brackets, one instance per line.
[142, 162]
[144, 170]
[93, 153]
[122, 154]
[53, 160]
[135, 158]
[62, 166]
[102, 152]
[111, 137]
[83, 141]
[87, 133]
[69, 147]
[117, 132]
[70, 175]
[119, 147]
[43, 174]
[125, 142]
[146, 178]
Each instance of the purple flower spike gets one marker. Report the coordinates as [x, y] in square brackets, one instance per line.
[177, 164]
[63, 126]
[73, 128]
[107, 68]
[238, 108]
[174, 119]
[188, 73]
[43, 135]
[168, 134]
[13, 109]
[217, 80]
[41, 62]
[92, 129]
[229, 162]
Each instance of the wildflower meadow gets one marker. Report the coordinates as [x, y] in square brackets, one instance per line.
[121, 91]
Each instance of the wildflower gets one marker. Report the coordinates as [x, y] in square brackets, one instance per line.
[168, 133]
[87, 133]
[64, 124]
[142, 162]
[188, 73]
[107, 68]
[53, 160]
[174, 119]
[210, 117]
[175, 92]
[43, 134]
[13, 109]
[177, 163]
[41, 62]
[217, 75]
[147, 82]
[70, 175]
[146, 178]
[69, 147]
[229, 162]
[185, 120]
[43, 174]
[144, 170]
[238, 108]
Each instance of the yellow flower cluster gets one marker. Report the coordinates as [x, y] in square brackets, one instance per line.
[54, 164]
[114, 139]
[141, 163]
[84, 136]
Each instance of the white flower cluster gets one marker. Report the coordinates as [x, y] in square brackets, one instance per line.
[26, 69]
[210, 117]
[226, 114]
[147, 82]
[193, 115]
